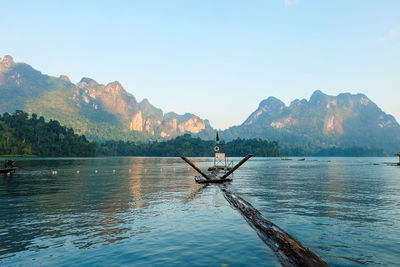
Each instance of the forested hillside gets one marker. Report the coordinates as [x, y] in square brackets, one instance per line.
[21, 134]
[100, 112]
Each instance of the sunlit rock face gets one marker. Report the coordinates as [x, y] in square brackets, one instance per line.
[141, 116]
[6, 62]
[136, 122]
[332, 125]
[176, 125]
[96, 110]
[193, 125]
[112, 98]
[169, 127]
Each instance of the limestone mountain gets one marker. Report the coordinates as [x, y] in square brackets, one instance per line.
[99, 111]
[323, 121]
[108, 112]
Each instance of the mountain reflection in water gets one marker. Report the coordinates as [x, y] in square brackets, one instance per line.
[151, 212]
[121, 211]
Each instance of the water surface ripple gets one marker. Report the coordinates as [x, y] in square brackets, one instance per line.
[120, 212]
[346, 210]
[149, 211]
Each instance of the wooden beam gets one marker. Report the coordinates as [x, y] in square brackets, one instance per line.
[237, 166]
[195, 167]
[290, 251]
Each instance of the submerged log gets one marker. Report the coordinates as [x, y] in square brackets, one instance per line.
[289, 251]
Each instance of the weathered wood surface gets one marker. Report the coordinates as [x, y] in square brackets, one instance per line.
[289, 251]
[202, 180]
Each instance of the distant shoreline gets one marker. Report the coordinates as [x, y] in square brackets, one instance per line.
[18, 156]
[138, 156]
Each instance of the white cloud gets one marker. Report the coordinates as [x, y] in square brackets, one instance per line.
[290, 3]
[392, 33]
[388, 36]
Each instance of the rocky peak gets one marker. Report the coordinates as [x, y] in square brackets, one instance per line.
[271, 103]
[114, 88]
[145, 102]
[6, 62]
[317, 97]
[86, 82]
[149, 110]
[268, 107]
[65, 78]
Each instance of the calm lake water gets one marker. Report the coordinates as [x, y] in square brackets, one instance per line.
[149, 211]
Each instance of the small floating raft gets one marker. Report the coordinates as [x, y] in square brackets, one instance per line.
[220, 171]
[217, 176]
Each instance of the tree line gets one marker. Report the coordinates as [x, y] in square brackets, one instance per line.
[21, 134]
[188, 146]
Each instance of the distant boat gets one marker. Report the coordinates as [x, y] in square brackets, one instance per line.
[7, 170]
[9, 166]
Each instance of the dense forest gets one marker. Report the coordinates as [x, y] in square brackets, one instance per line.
[21, 134]
[186, 145]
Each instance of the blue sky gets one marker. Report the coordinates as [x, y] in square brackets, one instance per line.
[217, 59]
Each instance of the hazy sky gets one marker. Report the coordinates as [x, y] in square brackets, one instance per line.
[217, 59]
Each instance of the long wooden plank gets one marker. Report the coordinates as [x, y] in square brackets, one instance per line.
[195, 167]
[237, 166]
[289, 250]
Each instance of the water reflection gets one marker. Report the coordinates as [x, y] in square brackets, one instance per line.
[344, 209]
[146, 209]
[88, 206]
[93, 206]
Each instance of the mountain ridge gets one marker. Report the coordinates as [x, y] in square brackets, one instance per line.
[97, 110]
[322, 121]
[109, 112]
